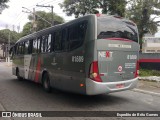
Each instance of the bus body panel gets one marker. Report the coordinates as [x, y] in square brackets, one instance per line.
[65, 75]
[117, 60]
[95, 88]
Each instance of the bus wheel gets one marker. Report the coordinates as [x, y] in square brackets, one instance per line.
[18, 76]
[46, 82]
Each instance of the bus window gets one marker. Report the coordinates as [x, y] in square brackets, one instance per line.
[39, 45]
[46, 43]
[116, 28]
[73, 37]
[57, 46]
[17, 50]
[14, 50]
[30, 47]
[26, 47]
[22, 48]
[49, 43]
[65, 41]
[34, 46]
[77, 35]
[43, 44]
[82, 31]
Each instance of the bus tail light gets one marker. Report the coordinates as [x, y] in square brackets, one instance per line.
[94, 72]
[137, 69]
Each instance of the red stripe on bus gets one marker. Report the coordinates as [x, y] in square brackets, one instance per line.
[149, 60]
[120, 39]
[38, 70]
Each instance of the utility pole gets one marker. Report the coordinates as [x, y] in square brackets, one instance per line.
[36, 15]
[34, 25]
[18, 27]
[34, 20]
[9, 36]
[51, 11]
[52, 16]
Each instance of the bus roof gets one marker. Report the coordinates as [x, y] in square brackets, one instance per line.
[70, 22]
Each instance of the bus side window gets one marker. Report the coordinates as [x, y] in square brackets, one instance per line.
[26, 47]
[35, 47]
[44, 44]
[77, 34]
[30, 47]
[17, 49]
[49, 43]
[73, 37]
[65, 42]
[82, 27]
[22, 48]
[39, 44]
[57, 45]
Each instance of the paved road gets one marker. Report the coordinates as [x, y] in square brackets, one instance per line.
[26, 96]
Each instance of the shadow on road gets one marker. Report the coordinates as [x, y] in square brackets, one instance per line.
[79, 101]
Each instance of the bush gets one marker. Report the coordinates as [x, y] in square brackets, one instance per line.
[147, 72]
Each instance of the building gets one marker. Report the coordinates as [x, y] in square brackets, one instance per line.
[151, 45]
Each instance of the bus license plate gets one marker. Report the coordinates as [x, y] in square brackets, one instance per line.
[120, 86]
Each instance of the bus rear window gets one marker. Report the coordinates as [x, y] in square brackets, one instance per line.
[111, 27]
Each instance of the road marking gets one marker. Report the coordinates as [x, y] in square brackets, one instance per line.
[146, 92]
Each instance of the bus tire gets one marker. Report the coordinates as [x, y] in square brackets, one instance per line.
[46, 82]
[18, 76]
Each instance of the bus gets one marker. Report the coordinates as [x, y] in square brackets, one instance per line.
[91, 55]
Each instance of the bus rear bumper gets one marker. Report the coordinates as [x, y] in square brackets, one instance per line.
[95, 88]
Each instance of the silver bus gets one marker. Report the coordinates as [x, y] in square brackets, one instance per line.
[91, 55]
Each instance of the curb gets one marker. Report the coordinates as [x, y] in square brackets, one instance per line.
[146, 92]
[150, 78]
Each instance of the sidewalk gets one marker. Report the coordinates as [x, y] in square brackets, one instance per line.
[6, 64]
[149, 85]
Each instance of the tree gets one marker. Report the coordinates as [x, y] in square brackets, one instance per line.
[79, 7]
[4, 36]
[27, 29]
[142, 12]
[3, 5]
[40, 24]
[82, 7]
[117, 7]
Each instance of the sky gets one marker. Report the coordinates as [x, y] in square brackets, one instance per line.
[13, 17]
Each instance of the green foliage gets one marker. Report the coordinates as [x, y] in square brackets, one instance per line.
[117, 7]
[146, 72]
[140, 11]
[4, 36]
[82, 7]
[3, 5]
[40, 24]
[27, 28]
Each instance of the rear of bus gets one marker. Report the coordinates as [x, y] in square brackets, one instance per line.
[114, 64]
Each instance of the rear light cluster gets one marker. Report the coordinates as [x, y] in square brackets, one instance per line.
[137, 70]
[94, 72]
